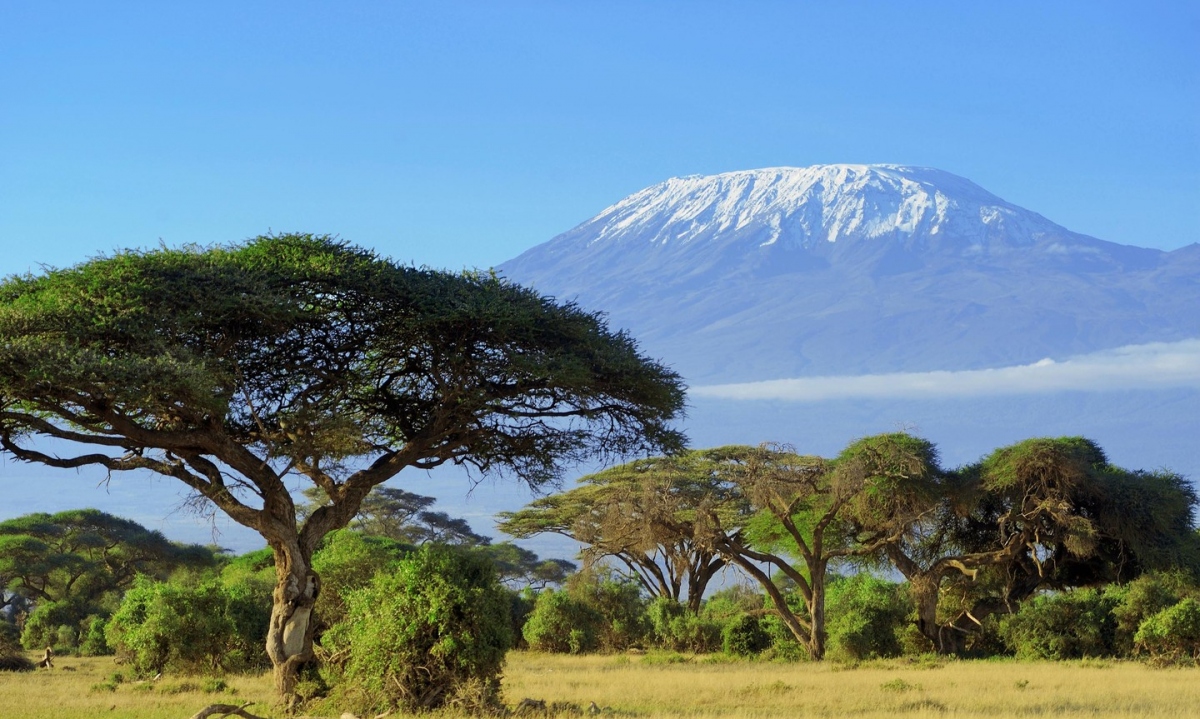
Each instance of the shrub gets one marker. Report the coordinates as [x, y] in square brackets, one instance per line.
[52, 624]
[732, 602]
[10, 636]
[677, 629]
[1144, 597]
[619, 604]
[866, 617]
[432, 633]
[562, 624]
[202, 626]
[1064, 625]
[93, 642]
[11, 658]
[1172, 635]
[745, 636]
[347, 561]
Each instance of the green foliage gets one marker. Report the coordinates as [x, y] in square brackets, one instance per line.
[520, 607]
[51, 624]
[562, 624]
[677, 629]
[732, 602]
[1172, 635]
[93, 643]
[1063, 625]
[899, 479]
[190, 626]
[1144, 597]
[867, 617]
[745, 636]
[432, 632]
[10, 636]
[402, 516]
[173, 338]
[74, 564]
[347, 561]
[619, 604]
[642, 513]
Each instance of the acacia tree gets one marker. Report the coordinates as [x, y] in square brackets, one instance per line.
[1039, 513]
[83, 554]
[633, 513]
[773, 513]
[233, 368]
[403, 516]
[773, 510]
[65, 567]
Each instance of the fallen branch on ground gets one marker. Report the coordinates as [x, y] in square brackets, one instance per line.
[224, 710]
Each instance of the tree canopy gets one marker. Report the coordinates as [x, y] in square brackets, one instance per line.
[972, 542]
[231, 368]
[635, 513]
[74, 564]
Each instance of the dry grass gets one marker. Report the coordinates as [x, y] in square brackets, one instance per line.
[79, 688]
[885, 689]
[651, 687]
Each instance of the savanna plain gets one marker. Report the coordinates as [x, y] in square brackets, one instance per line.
[674, 685]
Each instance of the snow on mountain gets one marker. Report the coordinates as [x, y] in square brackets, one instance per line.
[809, 205]
[839, 269]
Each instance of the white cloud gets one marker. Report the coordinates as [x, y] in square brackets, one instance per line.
[1149, 366]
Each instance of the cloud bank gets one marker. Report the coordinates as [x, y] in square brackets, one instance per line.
[1148, 366]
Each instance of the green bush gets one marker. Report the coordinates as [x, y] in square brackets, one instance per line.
[44, 627]
[745, 636]
[732, 602]
[562, 624]
[432, 633]
[1144, 597]
[618, 602]
[866, 617]
[347, 561]
[190, 626]
[676, 629]
[1063, 625]
[93, 643]
[1172, 635]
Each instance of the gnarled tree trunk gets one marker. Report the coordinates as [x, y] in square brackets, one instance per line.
[925, 590]
[290, 635]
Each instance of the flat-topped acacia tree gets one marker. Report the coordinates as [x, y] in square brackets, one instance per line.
[234, 368]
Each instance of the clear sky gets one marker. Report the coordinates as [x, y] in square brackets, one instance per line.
[460, 134]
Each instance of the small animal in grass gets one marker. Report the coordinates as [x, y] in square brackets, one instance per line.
[529, 707]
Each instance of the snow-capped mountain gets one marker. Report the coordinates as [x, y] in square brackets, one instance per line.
[838, 269]
[811, 205]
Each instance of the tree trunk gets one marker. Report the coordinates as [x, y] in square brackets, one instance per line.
[925, 595]
[290, 635]
[785, 613]
[816, 609]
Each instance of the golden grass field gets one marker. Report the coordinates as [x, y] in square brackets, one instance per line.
[637, 686]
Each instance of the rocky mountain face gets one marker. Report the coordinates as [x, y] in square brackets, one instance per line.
[850, 269]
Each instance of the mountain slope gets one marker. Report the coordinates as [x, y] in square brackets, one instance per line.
[840, 269]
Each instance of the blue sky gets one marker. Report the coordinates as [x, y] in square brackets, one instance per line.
[460, 134]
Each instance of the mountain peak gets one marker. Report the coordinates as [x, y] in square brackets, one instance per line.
[808, 206]
[788, 271]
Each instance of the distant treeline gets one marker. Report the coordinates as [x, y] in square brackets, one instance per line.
[1043, 549]
[1005, 555]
